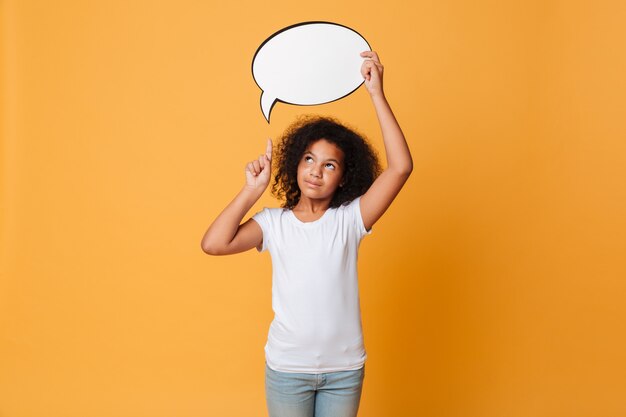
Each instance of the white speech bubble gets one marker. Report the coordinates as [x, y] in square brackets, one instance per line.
[308, 63]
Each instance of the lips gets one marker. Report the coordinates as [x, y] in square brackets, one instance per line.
[312, 184]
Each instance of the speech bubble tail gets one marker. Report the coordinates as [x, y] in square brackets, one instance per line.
[267, 102]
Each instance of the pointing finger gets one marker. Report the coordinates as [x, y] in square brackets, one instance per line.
[268, 149]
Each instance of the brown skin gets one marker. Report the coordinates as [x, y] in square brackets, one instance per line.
[320, 172]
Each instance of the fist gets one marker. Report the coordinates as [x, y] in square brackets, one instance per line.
[258, 172]
[372, 71]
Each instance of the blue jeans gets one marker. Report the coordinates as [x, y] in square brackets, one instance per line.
[332, 394]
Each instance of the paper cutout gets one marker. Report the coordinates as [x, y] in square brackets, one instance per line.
[308, 63]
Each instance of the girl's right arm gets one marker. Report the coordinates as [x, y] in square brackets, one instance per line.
[226, 235]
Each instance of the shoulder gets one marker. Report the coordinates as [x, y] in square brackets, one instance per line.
[352, 212]
[275, 211]
[349, 210]
[270, 214]
[271, 210]
[350, 206]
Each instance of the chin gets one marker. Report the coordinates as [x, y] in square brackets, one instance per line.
[313, 195]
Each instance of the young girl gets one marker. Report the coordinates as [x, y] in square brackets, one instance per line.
[329, 178]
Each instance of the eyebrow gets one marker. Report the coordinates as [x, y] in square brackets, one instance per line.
[331, 159]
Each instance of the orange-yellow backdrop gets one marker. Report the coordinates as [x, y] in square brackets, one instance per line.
[494, 286]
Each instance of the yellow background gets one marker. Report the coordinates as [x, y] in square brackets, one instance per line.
[494, 286]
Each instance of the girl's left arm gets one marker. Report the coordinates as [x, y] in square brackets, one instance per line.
[386, 187]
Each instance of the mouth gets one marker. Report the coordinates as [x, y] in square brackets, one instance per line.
[312, 184]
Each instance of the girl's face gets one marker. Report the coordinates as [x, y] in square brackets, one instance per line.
[320, 170]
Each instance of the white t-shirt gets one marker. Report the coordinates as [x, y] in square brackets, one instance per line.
[315, 294]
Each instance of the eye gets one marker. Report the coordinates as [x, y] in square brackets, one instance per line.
[330, 166]
[308, 159]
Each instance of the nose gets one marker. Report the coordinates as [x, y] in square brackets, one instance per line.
[315, 170]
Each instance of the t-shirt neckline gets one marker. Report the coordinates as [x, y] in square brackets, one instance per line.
[299, 222]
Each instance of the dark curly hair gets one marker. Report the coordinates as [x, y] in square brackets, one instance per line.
[361, 166]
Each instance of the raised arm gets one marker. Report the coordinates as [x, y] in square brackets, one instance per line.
[226, 235]
[399, 162]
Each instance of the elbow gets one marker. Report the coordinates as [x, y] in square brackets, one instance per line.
[404, 171]
[211, 249]
[207, 249]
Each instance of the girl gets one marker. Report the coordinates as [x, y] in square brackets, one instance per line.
[329, 178]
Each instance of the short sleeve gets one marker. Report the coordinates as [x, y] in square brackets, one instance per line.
[355, 210]
[262, 219]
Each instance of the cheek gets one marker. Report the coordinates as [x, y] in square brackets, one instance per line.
[336, 179]
[339, 175]
[301, 169]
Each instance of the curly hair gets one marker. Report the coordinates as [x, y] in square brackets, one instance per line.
[361, 165]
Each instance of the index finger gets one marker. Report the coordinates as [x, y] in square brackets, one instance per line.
[268, 149]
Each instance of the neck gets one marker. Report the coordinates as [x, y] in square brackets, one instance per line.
[309, 205]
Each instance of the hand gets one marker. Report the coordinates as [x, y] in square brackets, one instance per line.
[372, 71]
[258, 171]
